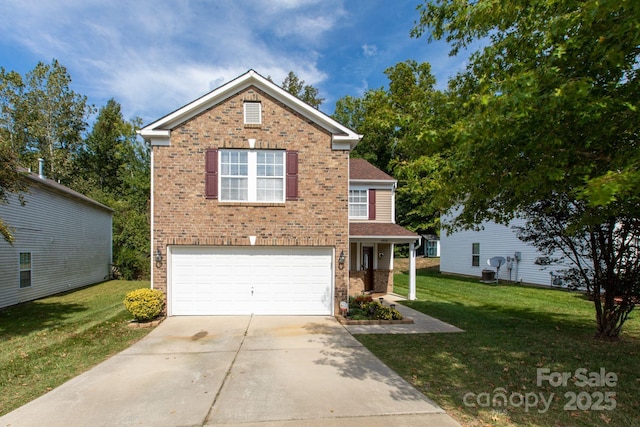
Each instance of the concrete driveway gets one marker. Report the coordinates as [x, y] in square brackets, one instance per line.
[265, 370]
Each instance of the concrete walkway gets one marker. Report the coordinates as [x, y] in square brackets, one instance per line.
[237, 371]
[422, 324]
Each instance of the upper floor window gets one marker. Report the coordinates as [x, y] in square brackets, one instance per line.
[252, 113]
[25, 269]
[252, 176]
[358, 204]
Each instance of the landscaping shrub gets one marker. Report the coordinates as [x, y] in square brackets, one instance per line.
[363, 307]
[381, 312]
[144, 304]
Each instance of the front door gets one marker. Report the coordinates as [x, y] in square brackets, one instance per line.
[367, 267]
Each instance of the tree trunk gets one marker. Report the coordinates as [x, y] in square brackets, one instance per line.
[611, 314]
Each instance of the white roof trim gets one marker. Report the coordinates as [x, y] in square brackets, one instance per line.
[387, 182]
[386, 239]
[343, 137]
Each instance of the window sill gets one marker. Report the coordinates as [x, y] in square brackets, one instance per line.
[257, 204]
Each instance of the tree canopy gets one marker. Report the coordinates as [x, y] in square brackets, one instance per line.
[113, 167]
[10, 182]
[546, 127]
[296, 87]
[42, 117]
[552, 100]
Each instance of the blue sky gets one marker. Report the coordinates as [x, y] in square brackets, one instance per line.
[156, 56]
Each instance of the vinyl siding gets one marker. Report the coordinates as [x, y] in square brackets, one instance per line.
[69, 241]
[384, 206]
[386, 261]
[384, 210]
[495, 240]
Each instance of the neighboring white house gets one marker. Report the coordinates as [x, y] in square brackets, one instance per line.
[62, 241]
[466, 252]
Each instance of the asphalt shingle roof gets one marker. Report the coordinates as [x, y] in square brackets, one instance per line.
[361, 169]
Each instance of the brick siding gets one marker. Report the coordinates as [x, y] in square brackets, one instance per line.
[183, 216]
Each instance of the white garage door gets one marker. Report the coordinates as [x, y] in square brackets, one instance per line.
[250, 280]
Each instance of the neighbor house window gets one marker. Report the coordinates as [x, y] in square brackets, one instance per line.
[252, 113]
[475, 254]
[25, 269]
[252, 176]
[358, 204]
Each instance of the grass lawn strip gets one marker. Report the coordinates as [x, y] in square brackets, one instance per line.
[511, 331]
[45, 343]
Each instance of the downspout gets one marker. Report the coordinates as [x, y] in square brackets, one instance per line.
[348, 233]
[151, 243]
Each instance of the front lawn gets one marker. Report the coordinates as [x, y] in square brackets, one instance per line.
[511, 332]
[47, 342]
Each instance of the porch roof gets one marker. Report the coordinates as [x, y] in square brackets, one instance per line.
[381, 232]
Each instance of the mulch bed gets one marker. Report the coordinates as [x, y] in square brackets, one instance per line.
[133, 324]
[346, 321]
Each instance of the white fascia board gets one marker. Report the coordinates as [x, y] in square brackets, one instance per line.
[385, 239]
[155, 137]
[345, 142]
[378, 182]
[342, 136]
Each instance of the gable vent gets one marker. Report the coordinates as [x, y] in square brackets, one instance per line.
[252, 113]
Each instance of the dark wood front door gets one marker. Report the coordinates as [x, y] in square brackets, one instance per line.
[367, 267]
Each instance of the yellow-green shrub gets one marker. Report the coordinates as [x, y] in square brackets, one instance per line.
[144, 304]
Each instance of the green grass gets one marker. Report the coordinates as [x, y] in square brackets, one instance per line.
[510, 332]
[47, 342]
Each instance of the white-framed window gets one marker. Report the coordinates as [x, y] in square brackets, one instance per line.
[358, 203]
[252, 176]
[252, 113]
[475, 254]
[25, 269]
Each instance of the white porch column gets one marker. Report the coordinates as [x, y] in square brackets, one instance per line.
[412, 271]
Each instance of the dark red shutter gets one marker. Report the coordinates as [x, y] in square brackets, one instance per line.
[292, 175]
[211, 174]
[372, 204]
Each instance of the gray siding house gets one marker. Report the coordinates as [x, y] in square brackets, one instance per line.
[466, 252]
[62, 241]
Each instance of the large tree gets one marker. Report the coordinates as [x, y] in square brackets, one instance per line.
[547, 129]
[42, 117]
[11, 89]
[113, 167]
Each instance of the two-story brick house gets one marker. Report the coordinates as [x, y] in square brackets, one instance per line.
[250, 203]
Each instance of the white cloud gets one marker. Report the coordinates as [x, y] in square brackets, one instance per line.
[369, 49]
[153, 57]
[307, 27]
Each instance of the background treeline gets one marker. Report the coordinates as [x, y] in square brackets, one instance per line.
[42, 117]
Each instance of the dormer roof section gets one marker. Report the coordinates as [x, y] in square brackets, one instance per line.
[159, 132]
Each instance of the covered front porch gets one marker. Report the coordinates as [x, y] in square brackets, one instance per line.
[371, 253]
